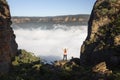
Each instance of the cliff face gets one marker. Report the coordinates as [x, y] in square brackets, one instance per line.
[8, 46]
[103, 40]
[56, 19]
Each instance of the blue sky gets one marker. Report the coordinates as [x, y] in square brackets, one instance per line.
[50, 7]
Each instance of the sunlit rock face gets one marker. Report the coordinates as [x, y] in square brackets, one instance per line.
[103, 39]
[8, 46]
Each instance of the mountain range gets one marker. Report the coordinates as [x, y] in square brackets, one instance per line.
[54, 19]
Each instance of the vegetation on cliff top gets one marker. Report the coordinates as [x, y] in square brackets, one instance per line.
[106, 7]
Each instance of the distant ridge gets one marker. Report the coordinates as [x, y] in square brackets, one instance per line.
[82, 18]
[56, 15]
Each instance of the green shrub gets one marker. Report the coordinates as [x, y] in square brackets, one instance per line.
[104, 11]
[25, 57]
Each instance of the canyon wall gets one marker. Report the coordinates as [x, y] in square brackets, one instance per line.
[8, 46]
[103, 40]
[55, 19]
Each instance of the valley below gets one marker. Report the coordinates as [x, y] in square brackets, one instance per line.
[48, 36]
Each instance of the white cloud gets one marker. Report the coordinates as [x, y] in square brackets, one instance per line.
[50, 42]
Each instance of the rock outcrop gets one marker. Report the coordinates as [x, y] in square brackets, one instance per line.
[8, 46]
[101, 68]
[103, 41]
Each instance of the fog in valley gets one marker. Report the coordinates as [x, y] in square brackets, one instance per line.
[48, 42]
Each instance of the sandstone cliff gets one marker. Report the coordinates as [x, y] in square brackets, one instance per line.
[55, 19]
[103, 40]
[8, 46]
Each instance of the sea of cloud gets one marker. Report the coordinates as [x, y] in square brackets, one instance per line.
[49, 44]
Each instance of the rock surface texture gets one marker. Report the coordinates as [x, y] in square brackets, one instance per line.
[103, 41]
[8, 46]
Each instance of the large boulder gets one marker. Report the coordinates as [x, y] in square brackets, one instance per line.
[8, 46]
[103, 41]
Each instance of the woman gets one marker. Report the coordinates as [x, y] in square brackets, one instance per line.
[65, 54]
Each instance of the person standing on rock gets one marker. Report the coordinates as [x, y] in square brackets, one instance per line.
[65, 54]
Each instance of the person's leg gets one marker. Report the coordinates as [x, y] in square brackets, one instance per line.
[66, 57]
[63, 57]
